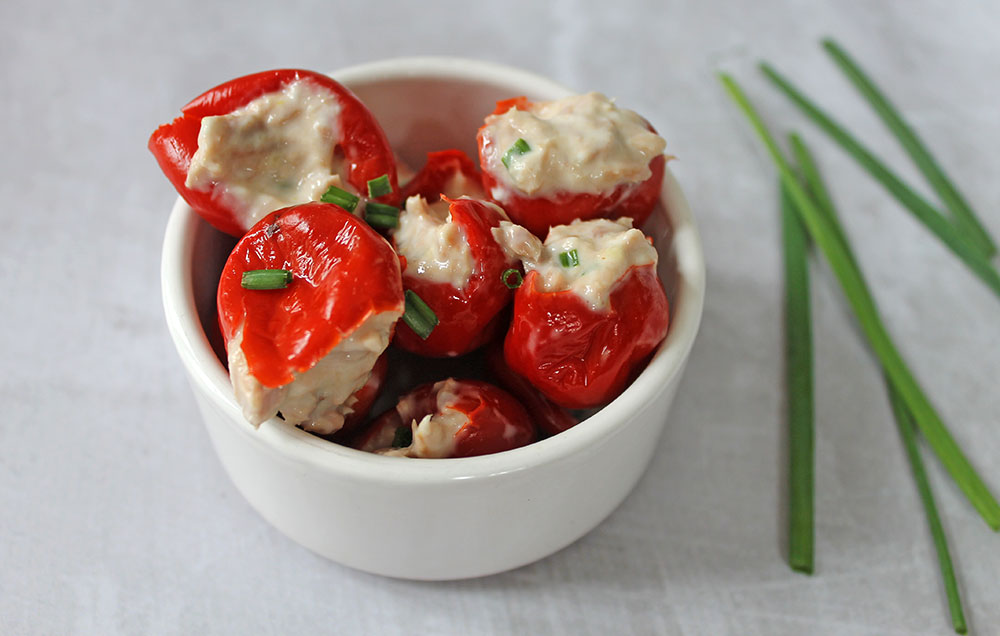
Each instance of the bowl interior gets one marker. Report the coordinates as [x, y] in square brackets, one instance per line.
[427, 104]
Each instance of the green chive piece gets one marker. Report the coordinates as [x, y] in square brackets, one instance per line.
[961, 211]
[817, 188]
[266, 279]
[518, 148]
[904, 422]
[510, 274]
[403, 437]
[799, 386]
[380, 215]
[953, 238]
[341, 197]
[860, 298]
[569, 259]
[379, 186]
[418, 316]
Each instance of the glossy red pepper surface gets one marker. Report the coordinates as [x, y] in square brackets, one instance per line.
[362, 141]
[343, 273]
[440, 171]
[496, 420]
[550, 418]
[579, 357]
[468, 316]
[538, 214]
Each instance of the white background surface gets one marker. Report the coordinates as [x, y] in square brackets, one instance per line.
[115, 517]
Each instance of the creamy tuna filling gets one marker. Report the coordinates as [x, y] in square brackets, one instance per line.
[587, 257]
[435, 247]
[583, 143]
[434, 434]
[318, 399]
[276, 151]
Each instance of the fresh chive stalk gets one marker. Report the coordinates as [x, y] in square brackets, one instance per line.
[418, 316]
[569, 259]
[961, 211]
[266, 279]
[799, 384]
[510, 275]
[858, 295]
[517, 149]
[817, 188]
[825, 204]
[904, 422]
[379, 186]
[382, 216]
[968, 252]
[341, 197]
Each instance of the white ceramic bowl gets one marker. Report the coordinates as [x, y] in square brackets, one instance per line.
[447, 518]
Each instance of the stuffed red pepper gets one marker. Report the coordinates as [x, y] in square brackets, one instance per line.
[581, 157]
[269, 140]
[308, 300]
[448, 172]
[455, 266]
[590, 310]
[451, 418]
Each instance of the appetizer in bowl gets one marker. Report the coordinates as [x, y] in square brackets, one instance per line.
[348, 504]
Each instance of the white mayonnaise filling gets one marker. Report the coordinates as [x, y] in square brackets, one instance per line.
[434, 246]
[434, 434]
[603, 251]
[319, 398]
[276, 151]
[583, 143]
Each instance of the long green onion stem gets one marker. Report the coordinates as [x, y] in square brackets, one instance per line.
[858, 295]
[961, 211]
[799, 374]
[799, 387]
[969, 253]
[906, 429]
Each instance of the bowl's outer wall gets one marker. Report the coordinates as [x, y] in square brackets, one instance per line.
[457, 527]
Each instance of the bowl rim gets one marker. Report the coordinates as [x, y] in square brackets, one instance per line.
[209, 377]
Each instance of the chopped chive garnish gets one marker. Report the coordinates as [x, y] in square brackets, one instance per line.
[403, 437]
[518, 148]
[970, 253]
[379, 186]
[512, 278]
[569, 259]
[382, 216]
[860, 298]
[266, 279]
[904, 422]
[921, 156]
[418, 316]
[799, 388]
[341, 197]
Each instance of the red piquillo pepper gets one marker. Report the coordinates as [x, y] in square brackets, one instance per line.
[580, 357]
[357, 145]
[469, 313]
[345, 291]
[539, 213]
[448, 172]
[467, 418]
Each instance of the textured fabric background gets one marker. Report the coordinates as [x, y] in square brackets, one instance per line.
[115, 517]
